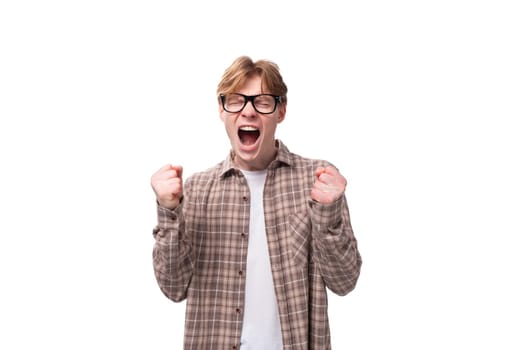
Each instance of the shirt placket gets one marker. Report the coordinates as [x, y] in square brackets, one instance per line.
[241, 194]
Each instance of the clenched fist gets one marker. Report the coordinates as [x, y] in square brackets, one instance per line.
[328, 186]
[167, 185]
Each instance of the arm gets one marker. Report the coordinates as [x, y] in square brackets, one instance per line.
[334, 245]
[172, 262]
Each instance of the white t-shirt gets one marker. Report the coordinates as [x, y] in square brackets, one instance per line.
[261, 326]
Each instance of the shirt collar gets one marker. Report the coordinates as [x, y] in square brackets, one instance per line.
[283, 158]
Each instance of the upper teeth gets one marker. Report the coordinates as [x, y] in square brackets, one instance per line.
[248, 128]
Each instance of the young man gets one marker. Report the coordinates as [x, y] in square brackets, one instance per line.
[254, 242]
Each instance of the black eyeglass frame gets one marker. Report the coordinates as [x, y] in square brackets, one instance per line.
[278, 99]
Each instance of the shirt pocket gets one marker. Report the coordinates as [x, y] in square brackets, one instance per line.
[299, 239]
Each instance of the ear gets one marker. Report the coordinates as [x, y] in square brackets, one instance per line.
[281, 113]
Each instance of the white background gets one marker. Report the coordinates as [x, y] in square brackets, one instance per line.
[419, 103]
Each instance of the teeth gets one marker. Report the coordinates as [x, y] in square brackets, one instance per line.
[248, 128]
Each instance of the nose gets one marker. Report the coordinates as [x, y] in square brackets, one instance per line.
[249, 110]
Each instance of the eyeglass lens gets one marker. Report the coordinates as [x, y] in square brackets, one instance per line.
[263, 103]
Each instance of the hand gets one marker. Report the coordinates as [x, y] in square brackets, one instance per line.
[329, 185]
[167, 185]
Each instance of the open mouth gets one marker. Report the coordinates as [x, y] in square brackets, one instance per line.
[248, 135]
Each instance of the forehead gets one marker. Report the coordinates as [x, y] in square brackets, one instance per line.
[252, 86]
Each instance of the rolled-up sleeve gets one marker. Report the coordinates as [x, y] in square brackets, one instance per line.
[335, 248]
[172, 261]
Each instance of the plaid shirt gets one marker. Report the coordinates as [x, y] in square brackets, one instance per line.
[201, 247]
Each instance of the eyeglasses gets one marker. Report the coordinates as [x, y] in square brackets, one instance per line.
[263, 103]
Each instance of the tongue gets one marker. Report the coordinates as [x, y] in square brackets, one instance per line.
[248, 137]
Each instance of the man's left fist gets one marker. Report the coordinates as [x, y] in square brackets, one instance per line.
[329, 185]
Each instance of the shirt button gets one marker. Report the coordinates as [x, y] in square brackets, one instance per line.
[243, 235]
[238, 310]
[245, 198]
[240, 273]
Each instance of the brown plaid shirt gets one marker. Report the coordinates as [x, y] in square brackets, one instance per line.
[201, 247]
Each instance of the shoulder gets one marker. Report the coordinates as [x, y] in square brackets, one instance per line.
[206, 176]
[199, 184]
[296, 161]
[301, 163]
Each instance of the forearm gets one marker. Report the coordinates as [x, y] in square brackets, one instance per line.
[172, 254]
[335, 249]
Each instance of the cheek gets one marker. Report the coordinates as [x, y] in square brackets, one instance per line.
[222, 115]
[269, 129]
[231, 130]
[226, 119]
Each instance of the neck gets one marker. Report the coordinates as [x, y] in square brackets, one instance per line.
[256, 164]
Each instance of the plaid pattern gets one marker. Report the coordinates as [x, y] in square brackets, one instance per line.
[201, 247]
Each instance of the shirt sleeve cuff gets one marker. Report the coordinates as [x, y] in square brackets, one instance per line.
[167, 218]
[326, 217]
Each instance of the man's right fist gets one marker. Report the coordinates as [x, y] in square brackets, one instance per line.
[167, 185]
